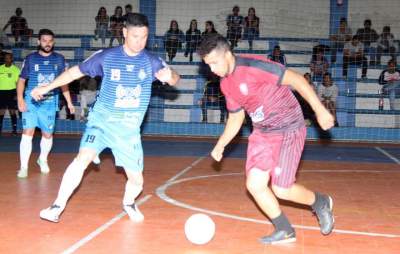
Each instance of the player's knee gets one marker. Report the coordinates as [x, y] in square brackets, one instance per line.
[257, 181]
[281, 193]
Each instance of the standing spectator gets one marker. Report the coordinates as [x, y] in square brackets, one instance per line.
[234, 23]
[173, 39]
[128, 9]
[213, 97]
[367, 36]
[390, 79]
[251, 26]
[318, 66]
[277, 55]
[40, 68]
[116, 25]
[209, 28]
[9, 74]
[339, 38]
[327, 93]
[353, 53]
[193, 37]
[102, 20]
[386, 44]
[19, 27]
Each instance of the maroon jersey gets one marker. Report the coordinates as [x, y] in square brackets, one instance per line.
[255, 86]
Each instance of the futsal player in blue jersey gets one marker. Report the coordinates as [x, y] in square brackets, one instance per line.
[127, 74]
[39, 70]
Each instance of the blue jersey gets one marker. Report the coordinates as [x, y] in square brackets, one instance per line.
[126, 83]
[41, 71]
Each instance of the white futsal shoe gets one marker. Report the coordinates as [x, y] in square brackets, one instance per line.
[133, 212]
[51, 213]
[44, 167]
[22, 173]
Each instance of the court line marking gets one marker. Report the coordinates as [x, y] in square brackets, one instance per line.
[161, 194]
[106, 225]
[388, 154]
[102, 228]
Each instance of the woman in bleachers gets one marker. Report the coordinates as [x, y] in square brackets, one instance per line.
[173, 39]
[318, 66]
[209, 28]
[116, 25]
[251, 27]
[101, 20]
[193, 36]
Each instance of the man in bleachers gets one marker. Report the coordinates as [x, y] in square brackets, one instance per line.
[353, 53]
[339, 38]
[367, 36]
[234, 23]
[19, 27]
[386, 44]
[390, 79]
[327, 93]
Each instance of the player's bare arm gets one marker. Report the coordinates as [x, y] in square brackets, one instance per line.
[168, 75]
[65, 78]
[20, 94]
[233, 126]
[300, 84]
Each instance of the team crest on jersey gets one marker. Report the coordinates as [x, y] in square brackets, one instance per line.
[142, 74]
[258, 115]
[36, 67]
[115, 74]
[44, 80]
[128, 97]
[244, 89]
[130, 67]
[46, 62]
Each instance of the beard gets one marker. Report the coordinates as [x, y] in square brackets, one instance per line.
[46, 49]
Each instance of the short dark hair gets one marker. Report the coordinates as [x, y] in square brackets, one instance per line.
[128, 6]
[45, 31]
[136, 19]
[211, 42]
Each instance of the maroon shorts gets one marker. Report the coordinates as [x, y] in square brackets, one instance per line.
[277, 153]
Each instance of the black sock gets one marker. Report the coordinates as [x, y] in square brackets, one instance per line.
[1, 122]
[14, 122]
[282, 223]
[319, 201]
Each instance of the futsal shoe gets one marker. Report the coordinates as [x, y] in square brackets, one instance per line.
[22, 173]
[133, 212]
[51, 213]
[279, 237]
[44, 167]
[325, 216]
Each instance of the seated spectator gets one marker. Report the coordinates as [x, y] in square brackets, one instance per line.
[209, 29]
[19, 27]
[327, 93]
[251, 27]
[386, 44]
[353, 53]
[234, 22]
[116, 25]
[308, 113]
[173, 39]
[277, 55]
[213, 97]
[193, 37]
[390, 79]
[101, 30]
[318, 66]
[367, 36]
[339, 38]
[88, 94]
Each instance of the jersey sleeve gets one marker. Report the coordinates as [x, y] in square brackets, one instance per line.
[157, 64]
[25, 67]
[93, 66]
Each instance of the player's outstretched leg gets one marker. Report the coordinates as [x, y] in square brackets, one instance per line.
[133, 188]
[323, 207]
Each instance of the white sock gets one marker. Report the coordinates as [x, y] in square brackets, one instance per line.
[45, 147]
[131, 193]
[25, 150]
[71, 179]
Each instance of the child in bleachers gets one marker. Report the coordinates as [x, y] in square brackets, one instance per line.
[327, 93]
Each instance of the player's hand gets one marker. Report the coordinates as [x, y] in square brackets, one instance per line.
[22, 105]
[217, 153]
[325, 119]
[164, 75]
[38, 92]
[71, 108]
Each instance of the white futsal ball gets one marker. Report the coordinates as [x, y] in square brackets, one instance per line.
[199, 228]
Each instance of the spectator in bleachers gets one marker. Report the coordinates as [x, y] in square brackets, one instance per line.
[327, 93]
[193, 37]
[318, 66]
[116, 25]
[173, 39]
[19, 27]
[234, 23]
[128, 9]
[367, 36]
[277, 55]
[9, 74]
[2, 54]
[386, 44]
[251, 27]
[353, 53]
[212, 97]
[102, 20]
[390, 80]
[342, 35]
[209, 28]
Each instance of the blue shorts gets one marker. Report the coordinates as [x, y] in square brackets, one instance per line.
[42, 116]
[123, 140]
